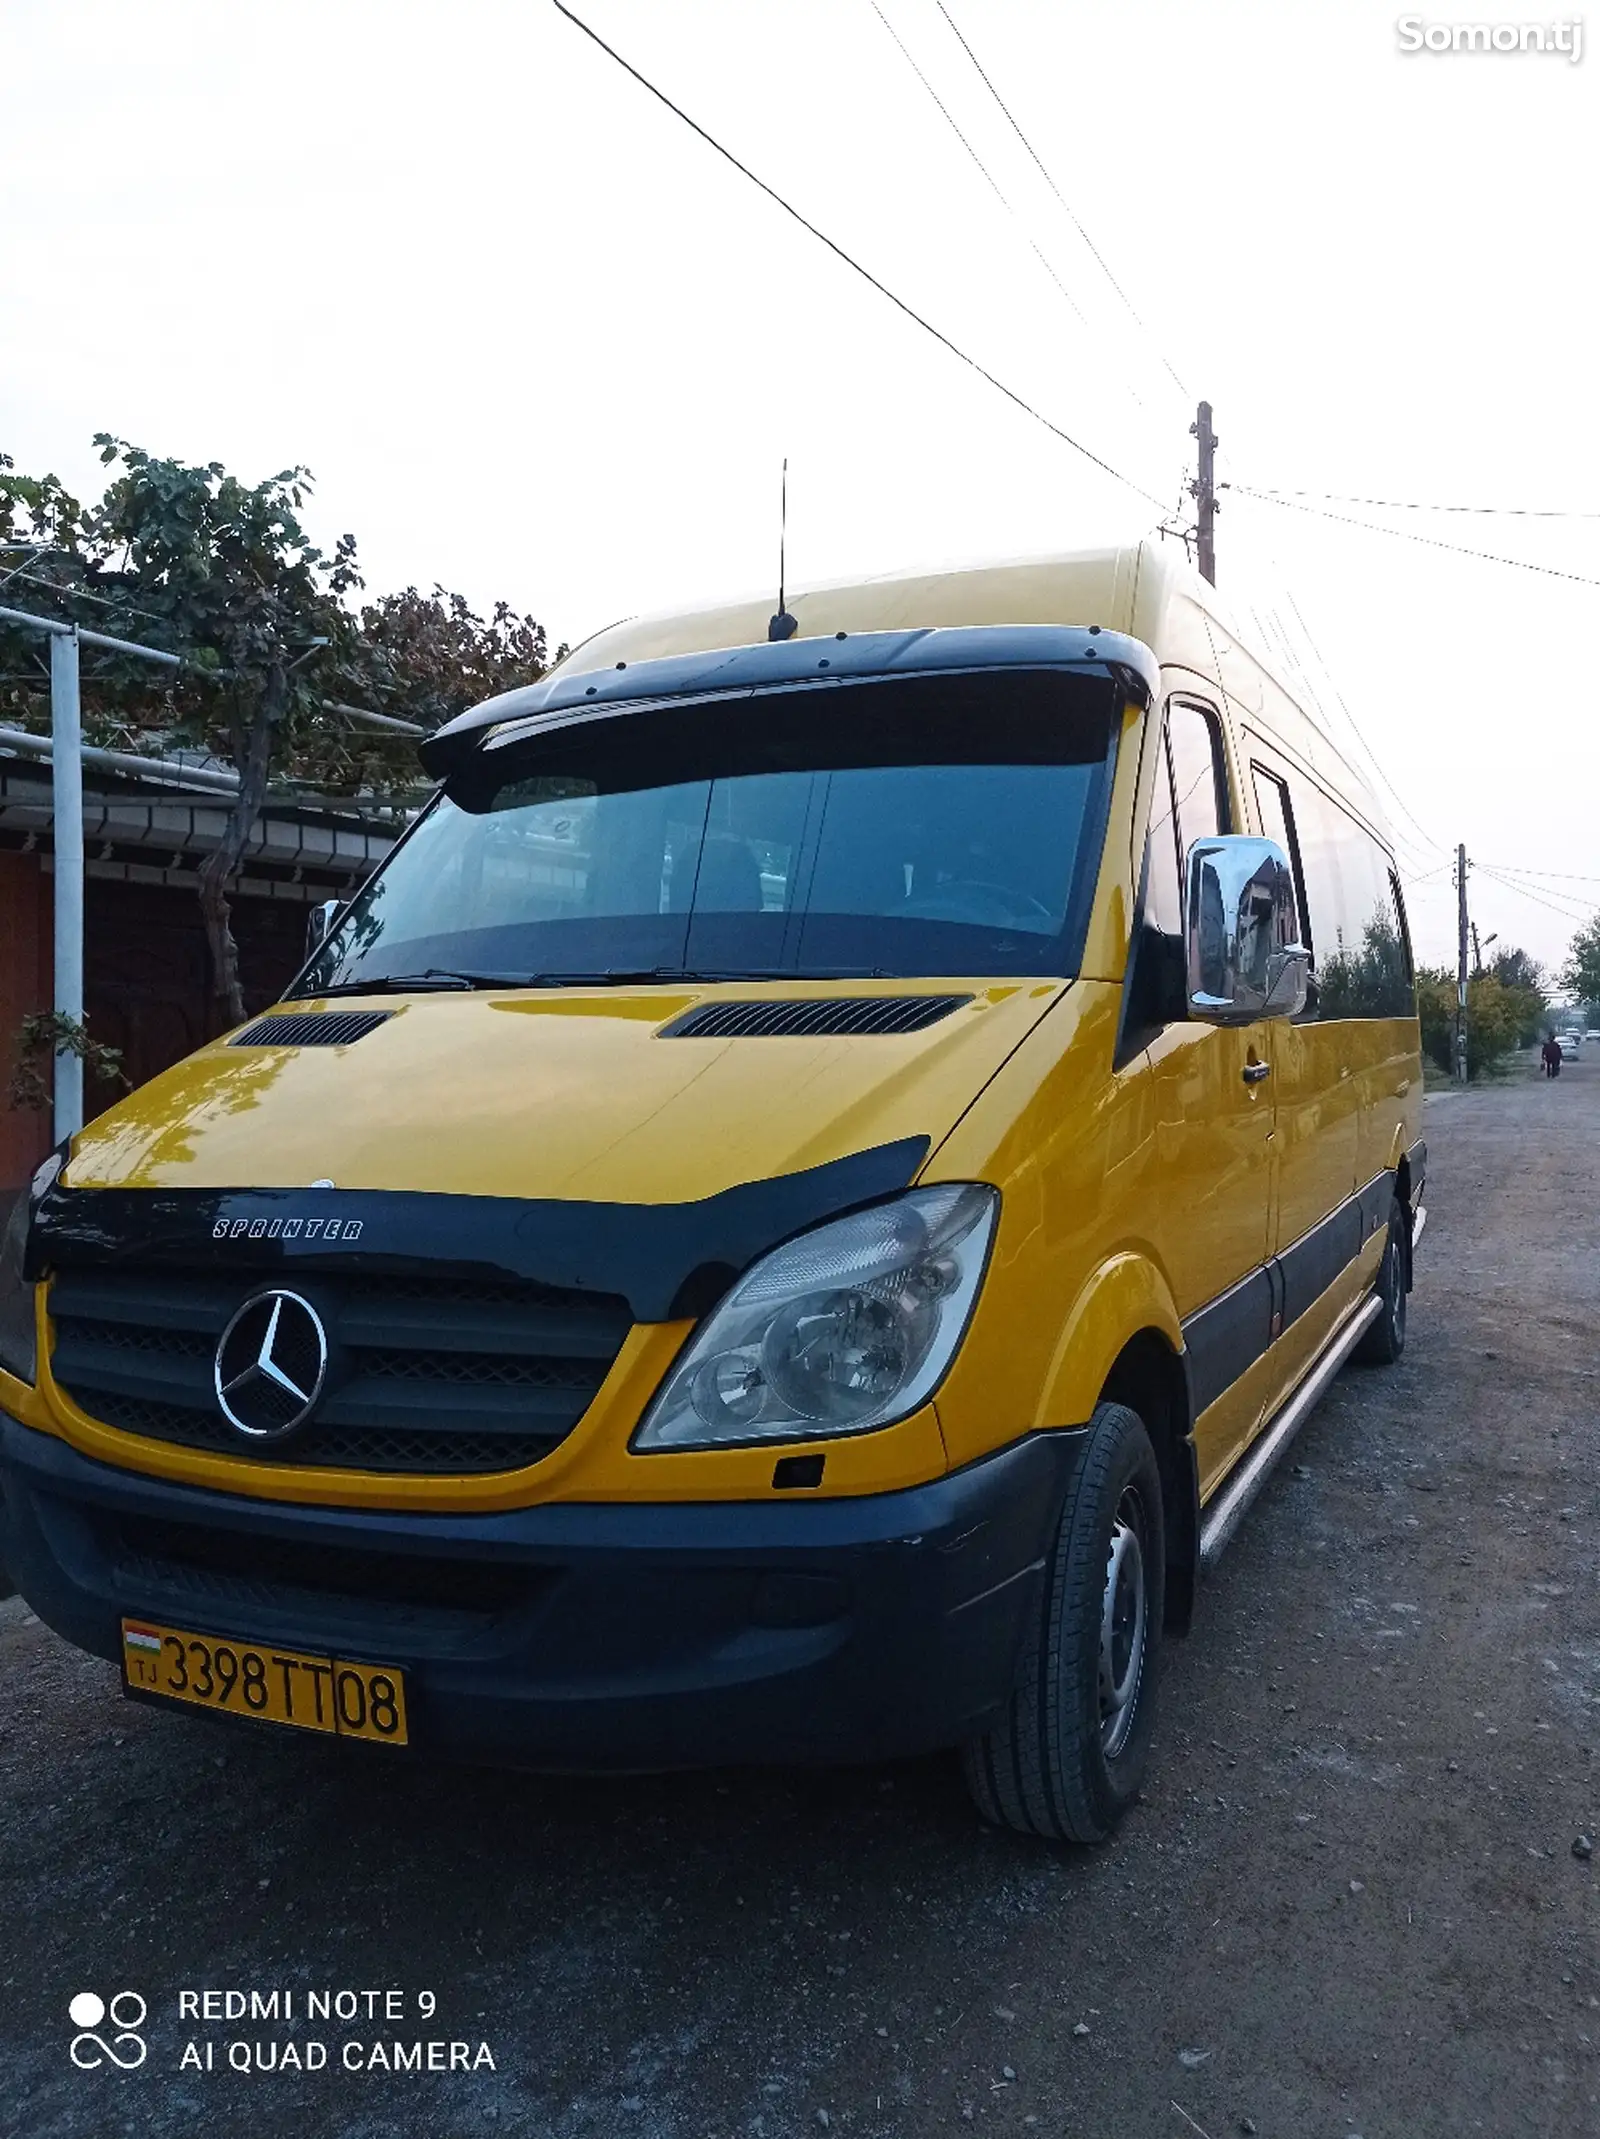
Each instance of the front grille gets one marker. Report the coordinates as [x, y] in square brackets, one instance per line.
[412, 1591]
[311, 1028]
[168, 1343]
[858, 1014]
[441, 1376]
[479, 1373]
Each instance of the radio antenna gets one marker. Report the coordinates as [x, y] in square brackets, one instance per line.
[783, 625]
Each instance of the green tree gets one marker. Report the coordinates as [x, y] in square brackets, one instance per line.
[230, 574]
[193, 560]
[1580, 976]
[1513, 968]
[1524, 978]
[1494, 1020]
[430, 656]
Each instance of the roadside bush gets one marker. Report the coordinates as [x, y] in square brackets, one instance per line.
[1532, 1015]
[1524, 978]
[1580, 976]
[1496, 1018]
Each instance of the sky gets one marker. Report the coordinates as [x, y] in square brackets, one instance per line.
[537, 341]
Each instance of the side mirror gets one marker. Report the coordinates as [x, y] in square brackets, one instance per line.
[1241, 935]
[318, 922]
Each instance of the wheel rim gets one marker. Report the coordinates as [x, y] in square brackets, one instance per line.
[1397, 1288]
[1123, 1629]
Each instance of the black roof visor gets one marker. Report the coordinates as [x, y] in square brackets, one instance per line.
[845, 658]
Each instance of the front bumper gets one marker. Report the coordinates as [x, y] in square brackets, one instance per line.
[586, 1637]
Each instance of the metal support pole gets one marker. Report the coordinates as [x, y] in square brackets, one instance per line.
[1205, 492]
[1461, 965]
[66, 763]
[30, 622]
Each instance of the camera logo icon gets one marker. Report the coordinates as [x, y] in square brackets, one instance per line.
[126, 2012]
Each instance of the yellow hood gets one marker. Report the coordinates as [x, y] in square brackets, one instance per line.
[564, 1094]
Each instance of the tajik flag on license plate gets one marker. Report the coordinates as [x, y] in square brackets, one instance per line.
[143, 1638]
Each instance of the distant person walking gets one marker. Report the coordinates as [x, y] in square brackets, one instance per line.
[1550, 1054]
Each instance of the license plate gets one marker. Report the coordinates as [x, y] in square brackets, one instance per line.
[311, 1693]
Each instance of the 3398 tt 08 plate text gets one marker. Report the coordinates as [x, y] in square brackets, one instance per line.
[316, 1693]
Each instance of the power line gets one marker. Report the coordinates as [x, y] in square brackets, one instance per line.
[1094, 249]
[1506, 884]
[1274, 632]
[1372, 755]
[1566, 876]
[1406, 848]
[865, 273]
[1406, 534]
[1563, 901]
[1408, 852]
[1507, 512]
[85, 594]
[989, 176]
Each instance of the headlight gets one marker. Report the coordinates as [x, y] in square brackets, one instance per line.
[18, 1349]
[847, 1328]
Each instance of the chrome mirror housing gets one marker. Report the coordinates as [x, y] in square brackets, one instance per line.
[1241, 933]
[318, 922]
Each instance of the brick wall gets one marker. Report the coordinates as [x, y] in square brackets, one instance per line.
[146, 980]
[25, 984]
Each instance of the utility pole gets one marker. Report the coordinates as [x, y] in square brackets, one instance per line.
[66, 766]
[66, 770]
[1204, 491]
[1461, 981]
[1477, 954]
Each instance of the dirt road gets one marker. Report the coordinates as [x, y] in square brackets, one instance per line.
[1349, 1905]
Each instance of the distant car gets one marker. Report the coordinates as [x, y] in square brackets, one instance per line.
[1570, 1043]
[1592, 1035]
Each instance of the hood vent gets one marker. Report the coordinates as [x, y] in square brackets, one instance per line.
[311, 1028]
[810, 1020]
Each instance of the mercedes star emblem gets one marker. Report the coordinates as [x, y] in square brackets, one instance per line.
[271, 1362]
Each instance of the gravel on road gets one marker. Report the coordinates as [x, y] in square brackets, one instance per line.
[1358, 1899]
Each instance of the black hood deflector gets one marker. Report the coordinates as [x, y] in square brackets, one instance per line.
[669, 1261]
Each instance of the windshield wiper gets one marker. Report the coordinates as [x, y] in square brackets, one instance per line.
[434, 979]
[699, 975]
[430, 980]
[442, 977]
[615, 976]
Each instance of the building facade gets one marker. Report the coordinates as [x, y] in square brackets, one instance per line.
[147, 980]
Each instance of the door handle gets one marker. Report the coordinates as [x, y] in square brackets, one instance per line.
[1254, 1072]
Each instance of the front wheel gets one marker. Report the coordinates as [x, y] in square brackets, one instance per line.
[1067, 1756]
[1383, 1343]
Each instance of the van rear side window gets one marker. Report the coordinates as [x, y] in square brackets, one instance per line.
[1350, 915]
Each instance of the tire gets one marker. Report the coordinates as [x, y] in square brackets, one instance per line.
[1385, 1341]
[1066, 1758]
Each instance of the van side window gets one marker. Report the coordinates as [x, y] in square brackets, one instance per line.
[1399, 898]
[1371, 978]
[1277, 823]
[1359, 952]
[1190, 803]
[1163, 903]
[1197, 776]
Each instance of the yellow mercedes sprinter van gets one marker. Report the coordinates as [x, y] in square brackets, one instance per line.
[785, 1223]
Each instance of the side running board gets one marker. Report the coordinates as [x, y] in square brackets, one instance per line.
[1227, 1511]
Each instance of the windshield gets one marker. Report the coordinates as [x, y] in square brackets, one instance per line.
[935, 825]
